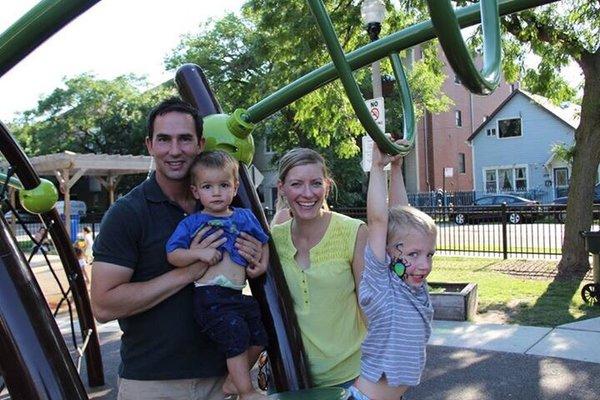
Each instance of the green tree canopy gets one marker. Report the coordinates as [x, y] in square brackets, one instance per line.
[249, 56]
[90, 115]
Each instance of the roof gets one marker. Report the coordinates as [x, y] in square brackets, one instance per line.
[93, 164]
[569, 114]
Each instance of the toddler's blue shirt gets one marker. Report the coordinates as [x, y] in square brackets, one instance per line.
[242, 220]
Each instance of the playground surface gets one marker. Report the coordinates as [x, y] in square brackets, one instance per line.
[470, 362]
[465, 360]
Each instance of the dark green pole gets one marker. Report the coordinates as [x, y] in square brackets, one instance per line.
[33, 28]
[371, 52]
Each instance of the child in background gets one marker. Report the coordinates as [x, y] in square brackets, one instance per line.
[89, 244]
[393, 290]
[230, 319]
[79, 254]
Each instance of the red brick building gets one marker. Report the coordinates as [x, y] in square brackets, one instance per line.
[441, 140]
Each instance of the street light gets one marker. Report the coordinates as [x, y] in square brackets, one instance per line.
[372, 13]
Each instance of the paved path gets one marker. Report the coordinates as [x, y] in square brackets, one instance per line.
[469, 361]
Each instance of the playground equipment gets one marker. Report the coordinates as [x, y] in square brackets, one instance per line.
[590, 292]
[33, 358]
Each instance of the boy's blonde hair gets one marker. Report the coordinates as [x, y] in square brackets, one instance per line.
[403, 218]
[216, 159]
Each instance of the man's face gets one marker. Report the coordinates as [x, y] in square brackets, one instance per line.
[174, 145]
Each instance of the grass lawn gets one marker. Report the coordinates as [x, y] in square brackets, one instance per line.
[515, 299]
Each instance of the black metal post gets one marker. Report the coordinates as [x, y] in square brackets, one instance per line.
[503, 216]
[286, 351]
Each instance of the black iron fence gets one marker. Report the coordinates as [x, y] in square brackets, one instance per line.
[497, 231]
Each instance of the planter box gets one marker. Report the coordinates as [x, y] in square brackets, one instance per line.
[457, 301]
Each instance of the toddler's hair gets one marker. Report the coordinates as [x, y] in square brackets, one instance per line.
[401, 218]
[216, 159]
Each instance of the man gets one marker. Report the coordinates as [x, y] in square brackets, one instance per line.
[163, 353]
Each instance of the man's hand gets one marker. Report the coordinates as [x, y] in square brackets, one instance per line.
[249, 247]
[259, 267]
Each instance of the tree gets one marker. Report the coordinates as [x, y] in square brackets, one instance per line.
[248, 57]
[90, 115]
[559, 33]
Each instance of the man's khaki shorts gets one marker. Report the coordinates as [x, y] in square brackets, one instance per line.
[184, 389]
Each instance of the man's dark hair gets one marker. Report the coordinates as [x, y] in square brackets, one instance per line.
[174, 104]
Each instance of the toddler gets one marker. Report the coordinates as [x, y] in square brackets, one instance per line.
[229, 318]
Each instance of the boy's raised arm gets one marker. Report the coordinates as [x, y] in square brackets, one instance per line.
[377, 210]
[398, 195]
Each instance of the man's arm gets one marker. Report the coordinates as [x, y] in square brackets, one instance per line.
[114, 296]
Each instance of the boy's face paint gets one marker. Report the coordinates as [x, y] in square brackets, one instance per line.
[413, 252]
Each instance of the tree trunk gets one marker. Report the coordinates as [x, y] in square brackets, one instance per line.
[575, 258]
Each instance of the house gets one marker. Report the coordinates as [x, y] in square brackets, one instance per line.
[440, 140]
[442, 157]
[511, 150]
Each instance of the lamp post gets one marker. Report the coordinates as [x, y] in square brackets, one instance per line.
[372, 13]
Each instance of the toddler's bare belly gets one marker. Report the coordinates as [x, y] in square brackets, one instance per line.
[230, 270]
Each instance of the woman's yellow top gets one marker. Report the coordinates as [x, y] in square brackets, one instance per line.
[325, 300]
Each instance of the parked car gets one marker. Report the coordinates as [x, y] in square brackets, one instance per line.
[78, 207]
[24, 216]
[486, 209]
[559, 205]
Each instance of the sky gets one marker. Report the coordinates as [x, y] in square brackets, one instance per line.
[112, 38]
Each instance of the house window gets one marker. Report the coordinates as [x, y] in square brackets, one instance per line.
[520, 179]
[491, 131]
[458, 117]
[506, 179]
[490, 181]
[461, 163]
[509, 127]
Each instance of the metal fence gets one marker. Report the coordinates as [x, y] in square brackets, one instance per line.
[491, 231]
[496, 231]
[440, 198]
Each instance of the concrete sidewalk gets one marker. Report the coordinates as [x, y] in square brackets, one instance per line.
[472, 361]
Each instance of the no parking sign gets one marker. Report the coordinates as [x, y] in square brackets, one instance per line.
[377, 110]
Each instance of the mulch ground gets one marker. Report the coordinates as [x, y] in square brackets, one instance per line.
[532, 269]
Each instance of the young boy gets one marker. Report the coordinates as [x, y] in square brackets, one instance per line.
[230, 319]
[393, 291]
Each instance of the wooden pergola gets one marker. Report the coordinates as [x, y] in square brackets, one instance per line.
[69, 167]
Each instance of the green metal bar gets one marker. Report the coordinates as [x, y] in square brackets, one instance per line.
[345, 73]
[408, 109]
[371, 52]
[12, 181]
[37, 25]
[448, 33]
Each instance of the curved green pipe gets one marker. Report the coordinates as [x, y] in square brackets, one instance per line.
[353, 91]
[371, 52]
[448, 33]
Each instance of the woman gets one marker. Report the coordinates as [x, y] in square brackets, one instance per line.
[321, 253]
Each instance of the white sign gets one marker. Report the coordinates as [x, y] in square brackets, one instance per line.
[255, 176]
[377, 110]
[448, 172]
[367, 154]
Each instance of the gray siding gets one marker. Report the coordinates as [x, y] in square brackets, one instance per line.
[539, 131]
